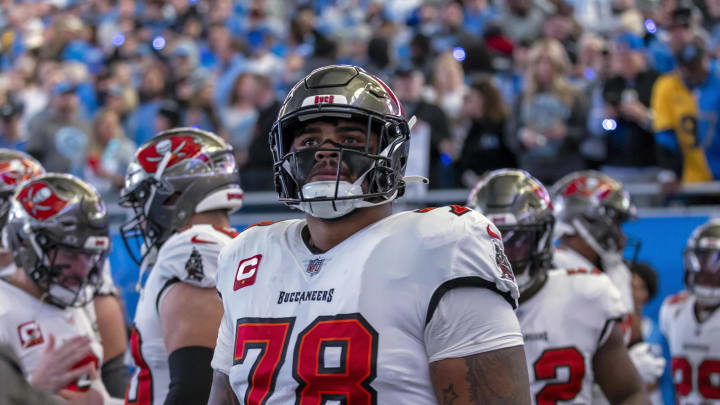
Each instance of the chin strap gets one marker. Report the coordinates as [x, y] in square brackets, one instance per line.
[420, 179]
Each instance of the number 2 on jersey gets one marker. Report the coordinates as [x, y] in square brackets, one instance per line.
[546, 367]
[349, 339]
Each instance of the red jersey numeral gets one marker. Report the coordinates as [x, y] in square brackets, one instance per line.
[546, 368]
[139, 391]
[335, 358]
[682, 374]
[347, 379]
[271, 337]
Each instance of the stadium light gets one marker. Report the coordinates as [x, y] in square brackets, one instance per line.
[609, 124]
[158, 43]
[118, 39]
[650, 26]
[458, 53]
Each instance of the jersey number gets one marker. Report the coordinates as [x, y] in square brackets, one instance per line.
[139, 389]
[682, 377]
[335, 358]
[546, 367]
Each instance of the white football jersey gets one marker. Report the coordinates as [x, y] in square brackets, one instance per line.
[26, 322]
[107, 285]
[563, 325]
[694, 348]
[189, 257]
[566, 258]
[348, 325]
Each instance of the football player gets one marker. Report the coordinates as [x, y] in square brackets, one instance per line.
[182, 185]
[690, 320]
[17, 167]
[355, 304]
[57, 231]
[590, 208]
[569, 318]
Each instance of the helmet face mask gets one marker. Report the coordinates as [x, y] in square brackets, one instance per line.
[176, 174]
[68, 276]
[526, 248]
[57, 231]
[372, 175]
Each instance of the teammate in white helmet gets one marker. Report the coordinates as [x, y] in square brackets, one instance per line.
[182, 185]
[569, 317]
[57, 231]
[590, 208]
[690, 320]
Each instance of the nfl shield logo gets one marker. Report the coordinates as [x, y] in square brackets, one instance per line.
[314, 266]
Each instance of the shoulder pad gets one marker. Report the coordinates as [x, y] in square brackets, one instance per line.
[191, 256]
[677, 298]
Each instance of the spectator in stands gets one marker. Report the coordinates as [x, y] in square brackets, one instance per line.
[685, 105]
[141, 123]
[521, 20]
[562, 28]
[591, 73]
[408, 85]
[627, 121]
[677, 29]
[378, 57]
[484, 146]
[548, 120]
[240, 116]
[201, 112]
[10, 131]
[510, 81]
[109, 154]
[169, 115]
[448, 88]
[257, 174]
[58, 136]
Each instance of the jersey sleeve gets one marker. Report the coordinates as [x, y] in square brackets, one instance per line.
[107, 285]
[601, 298]
[666, 311]
[479, 255]
[190, 258]
[222, 356]
[460, 329]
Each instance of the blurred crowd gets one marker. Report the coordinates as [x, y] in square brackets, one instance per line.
[550, 86]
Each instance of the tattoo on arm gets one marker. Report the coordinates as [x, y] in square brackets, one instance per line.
[221, 392]
[498, 377]
[449, 395]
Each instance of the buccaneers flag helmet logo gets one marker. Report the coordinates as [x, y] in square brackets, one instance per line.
[180, 148]
[40, 201]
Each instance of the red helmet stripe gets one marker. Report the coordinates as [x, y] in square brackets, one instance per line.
[391, 93]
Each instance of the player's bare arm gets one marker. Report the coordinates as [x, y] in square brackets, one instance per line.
[113, 335]
[189, 318]
[494, 377]
[221, 393]
[111, 325]
[616, 374]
